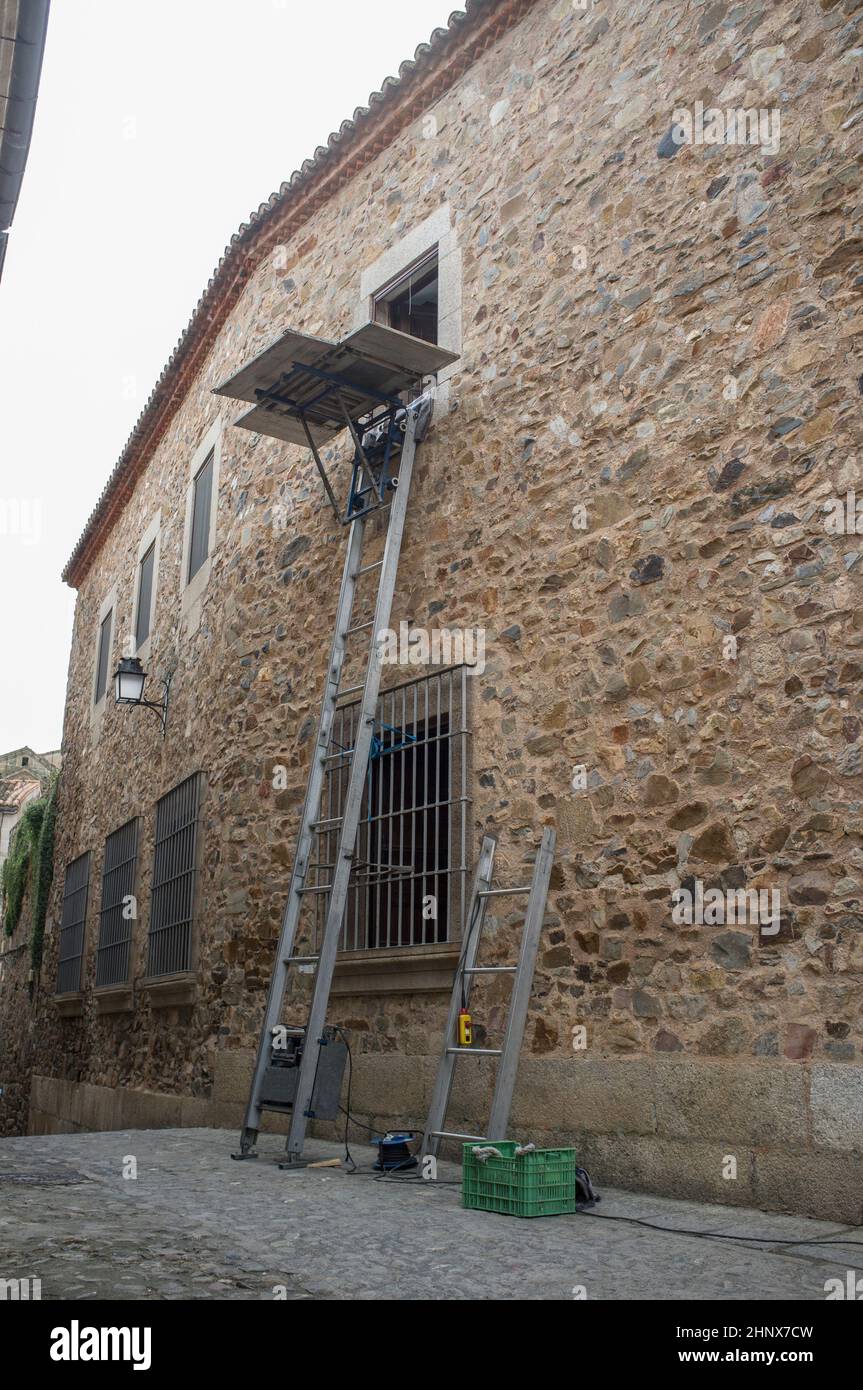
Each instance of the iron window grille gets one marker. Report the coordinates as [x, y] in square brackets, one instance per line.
[411, 852]
[115, 922]
[72, 921]
[174, 879]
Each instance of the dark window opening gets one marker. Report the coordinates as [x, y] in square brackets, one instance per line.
[410, 304]
[202, 500]
[145, 596]
[174, 879]
[104, 656]
[409, 867]
[73, 917]
[25, 762]
[405, 834]
[116, 913]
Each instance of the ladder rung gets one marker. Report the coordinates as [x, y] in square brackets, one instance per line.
[490, 970]
[331, 757]
[501, 892]
[364, 569]
[450, 1134]
[334, 820]
[478, 1051]
[300, 960]
[350, 690]
[359, 627]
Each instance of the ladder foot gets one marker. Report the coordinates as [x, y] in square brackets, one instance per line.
[248, 1140]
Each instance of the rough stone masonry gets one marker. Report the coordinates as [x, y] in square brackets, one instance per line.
[626, 484]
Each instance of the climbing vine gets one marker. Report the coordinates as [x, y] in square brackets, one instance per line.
[16, 869]
[43, 873]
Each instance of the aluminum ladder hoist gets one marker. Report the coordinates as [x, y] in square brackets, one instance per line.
[306, 391]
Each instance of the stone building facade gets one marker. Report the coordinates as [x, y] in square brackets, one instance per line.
[631, 487]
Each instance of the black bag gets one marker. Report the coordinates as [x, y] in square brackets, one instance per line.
[584, 1190]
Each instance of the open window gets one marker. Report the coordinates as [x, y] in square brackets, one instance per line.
[410, 302]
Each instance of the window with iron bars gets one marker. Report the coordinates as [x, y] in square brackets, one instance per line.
[408, 880]
[70, 953]
[115, 918]
[172, 903]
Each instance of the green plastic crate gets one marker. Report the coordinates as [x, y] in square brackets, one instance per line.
[539, 1183]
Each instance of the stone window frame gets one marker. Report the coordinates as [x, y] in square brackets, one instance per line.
[192, 590]
[97, 707]
[434, 233]
[151, 537]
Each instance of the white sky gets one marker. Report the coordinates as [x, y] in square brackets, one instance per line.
[160, 125]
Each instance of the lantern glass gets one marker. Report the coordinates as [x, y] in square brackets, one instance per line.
[129, 679]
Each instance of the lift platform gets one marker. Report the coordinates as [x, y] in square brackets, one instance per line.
[305, 390]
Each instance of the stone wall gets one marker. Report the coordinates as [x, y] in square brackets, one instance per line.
[18, 1024]
[661, 334]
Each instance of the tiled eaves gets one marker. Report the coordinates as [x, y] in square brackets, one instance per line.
[436, 66]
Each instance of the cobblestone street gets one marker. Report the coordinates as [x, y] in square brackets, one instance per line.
[194, 1224]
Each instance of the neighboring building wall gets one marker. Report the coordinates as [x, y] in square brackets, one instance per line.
[665, 337]
[14, 796]
[27, 763]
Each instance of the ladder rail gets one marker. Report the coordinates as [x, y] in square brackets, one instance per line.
[305, 836]
[509, 1053]
[339, 886]
[507, 1067]
[462, 985]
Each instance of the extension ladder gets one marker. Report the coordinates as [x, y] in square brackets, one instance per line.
[467, 971]
[324, 961]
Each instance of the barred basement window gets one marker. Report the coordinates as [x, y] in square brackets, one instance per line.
[71, 947]
[410, 866]
[174, 878]
[115, 917]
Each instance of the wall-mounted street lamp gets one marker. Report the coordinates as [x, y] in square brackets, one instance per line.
[129, 679]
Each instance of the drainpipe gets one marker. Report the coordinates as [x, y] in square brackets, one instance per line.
[28, 48]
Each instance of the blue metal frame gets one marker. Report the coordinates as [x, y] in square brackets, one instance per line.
[361, 498]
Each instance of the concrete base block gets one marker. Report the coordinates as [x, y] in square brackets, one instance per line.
[774, 1134]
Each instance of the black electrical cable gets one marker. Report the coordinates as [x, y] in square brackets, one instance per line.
[346, 1111]
[386, 1174]
[462, 957]
[716, 1235]
[348, 1155]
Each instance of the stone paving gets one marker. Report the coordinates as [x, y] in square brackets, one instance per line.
[194, 1224]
